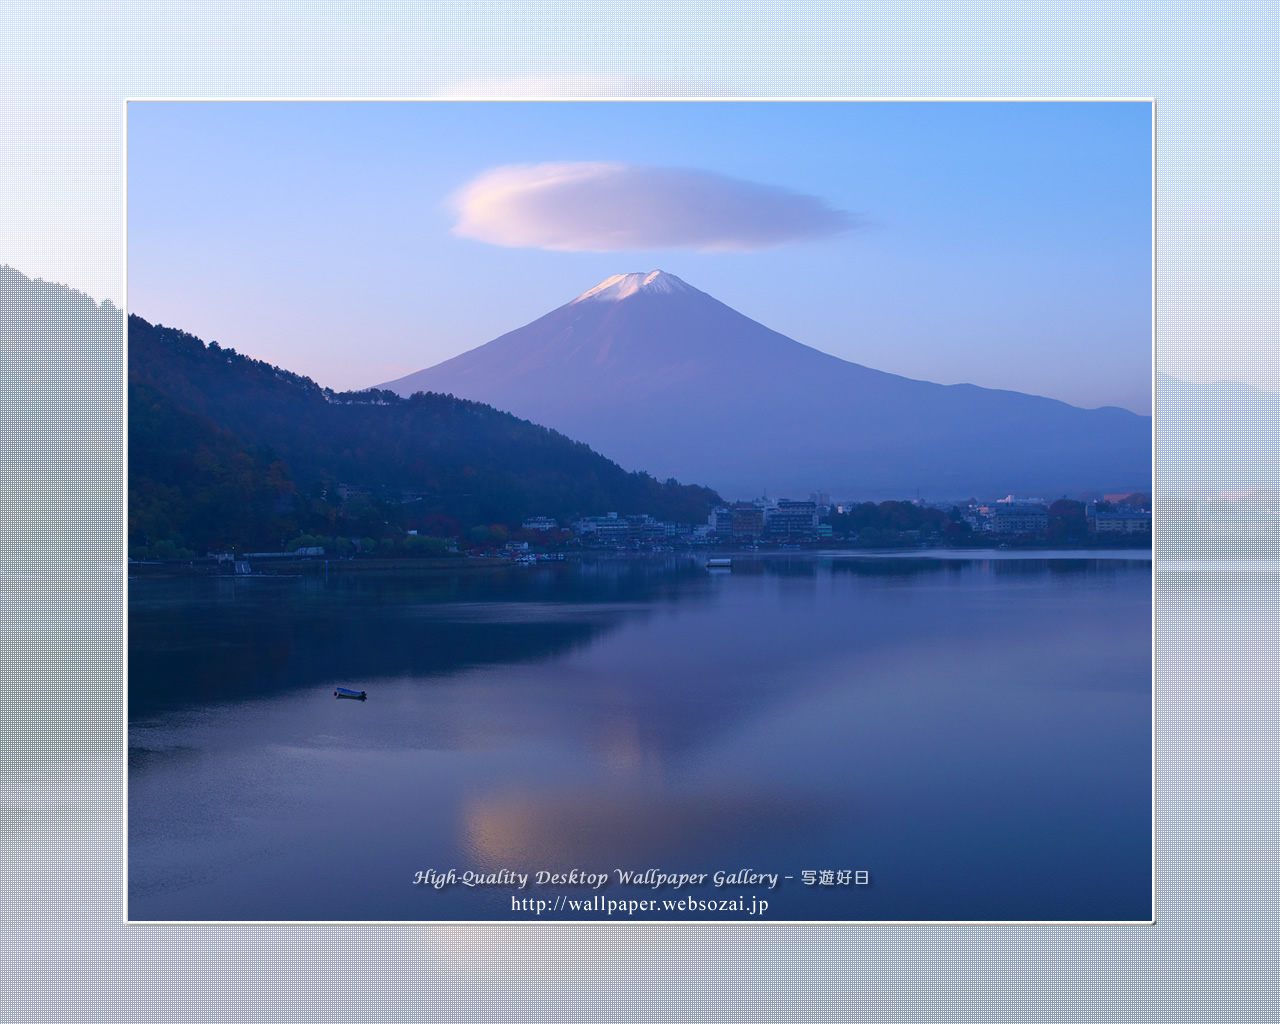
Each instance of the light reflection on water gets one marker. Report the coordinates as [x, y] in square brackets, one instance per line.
[975, 732]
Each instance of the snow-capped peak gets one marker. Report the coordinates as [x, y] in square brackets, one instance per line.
[621, 286]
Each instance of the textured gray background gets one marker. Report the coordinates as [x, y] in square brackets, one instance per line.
[64, 955]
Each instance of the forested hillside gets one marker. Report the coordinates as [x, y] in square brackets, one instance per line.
[225, 450]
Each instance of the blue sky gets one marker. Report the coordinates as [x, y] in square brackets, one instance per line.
[1000, 244]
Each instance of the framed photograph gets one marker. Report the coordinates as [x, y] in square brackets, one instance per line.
[640, 511]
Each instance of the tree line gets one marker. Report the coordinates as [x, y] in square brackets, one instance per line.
[226, 450]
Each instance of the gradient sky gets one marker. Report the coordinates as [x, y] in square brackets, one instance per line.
[1001, 244]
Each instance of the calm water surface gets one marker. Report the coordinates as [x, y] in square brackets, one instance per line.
[972, 731]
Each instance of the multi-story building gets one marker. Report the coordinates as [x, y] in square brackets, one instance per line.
[646, 529]
[791, 519]
[1017, 520]
[613, 529]
[721, 522]
[747, 521]
[1122, 522]
[608, 529]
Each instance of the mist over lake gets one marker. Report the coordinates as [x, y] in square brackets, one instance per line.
[973, 731]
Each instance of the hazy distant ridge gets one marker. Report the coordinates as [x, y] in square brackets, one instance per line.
[1214, 437]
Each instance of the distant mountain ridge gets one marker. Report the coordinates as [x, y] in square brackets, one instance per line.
[664, 378]
[1215, 437]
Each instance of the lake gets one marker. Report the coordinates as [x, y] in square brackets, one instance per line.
[969, 730]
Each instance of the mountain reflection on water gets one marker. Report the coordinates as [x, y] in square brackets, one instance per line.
[973, 728]
[196, 640]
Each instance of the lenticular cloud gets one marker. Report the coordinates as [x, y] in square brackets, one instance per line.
[606, 207]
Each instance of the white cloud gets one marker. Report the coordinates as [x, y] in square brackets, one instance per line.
[607, 207]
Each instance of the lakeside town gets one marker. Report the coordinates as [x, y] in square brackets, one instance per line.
[1114, 520]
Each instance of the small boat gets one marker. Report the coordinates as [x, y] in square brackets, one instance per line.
[719, 563]
[342, 691]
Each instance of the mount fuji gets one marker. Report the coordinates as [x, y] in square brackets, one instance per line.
[662, 377]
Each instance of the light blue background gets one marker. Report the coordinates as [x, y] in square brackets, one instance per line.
[64, 952]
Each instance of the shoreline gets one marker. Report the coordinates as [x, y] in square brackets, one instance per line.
[310, 567]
